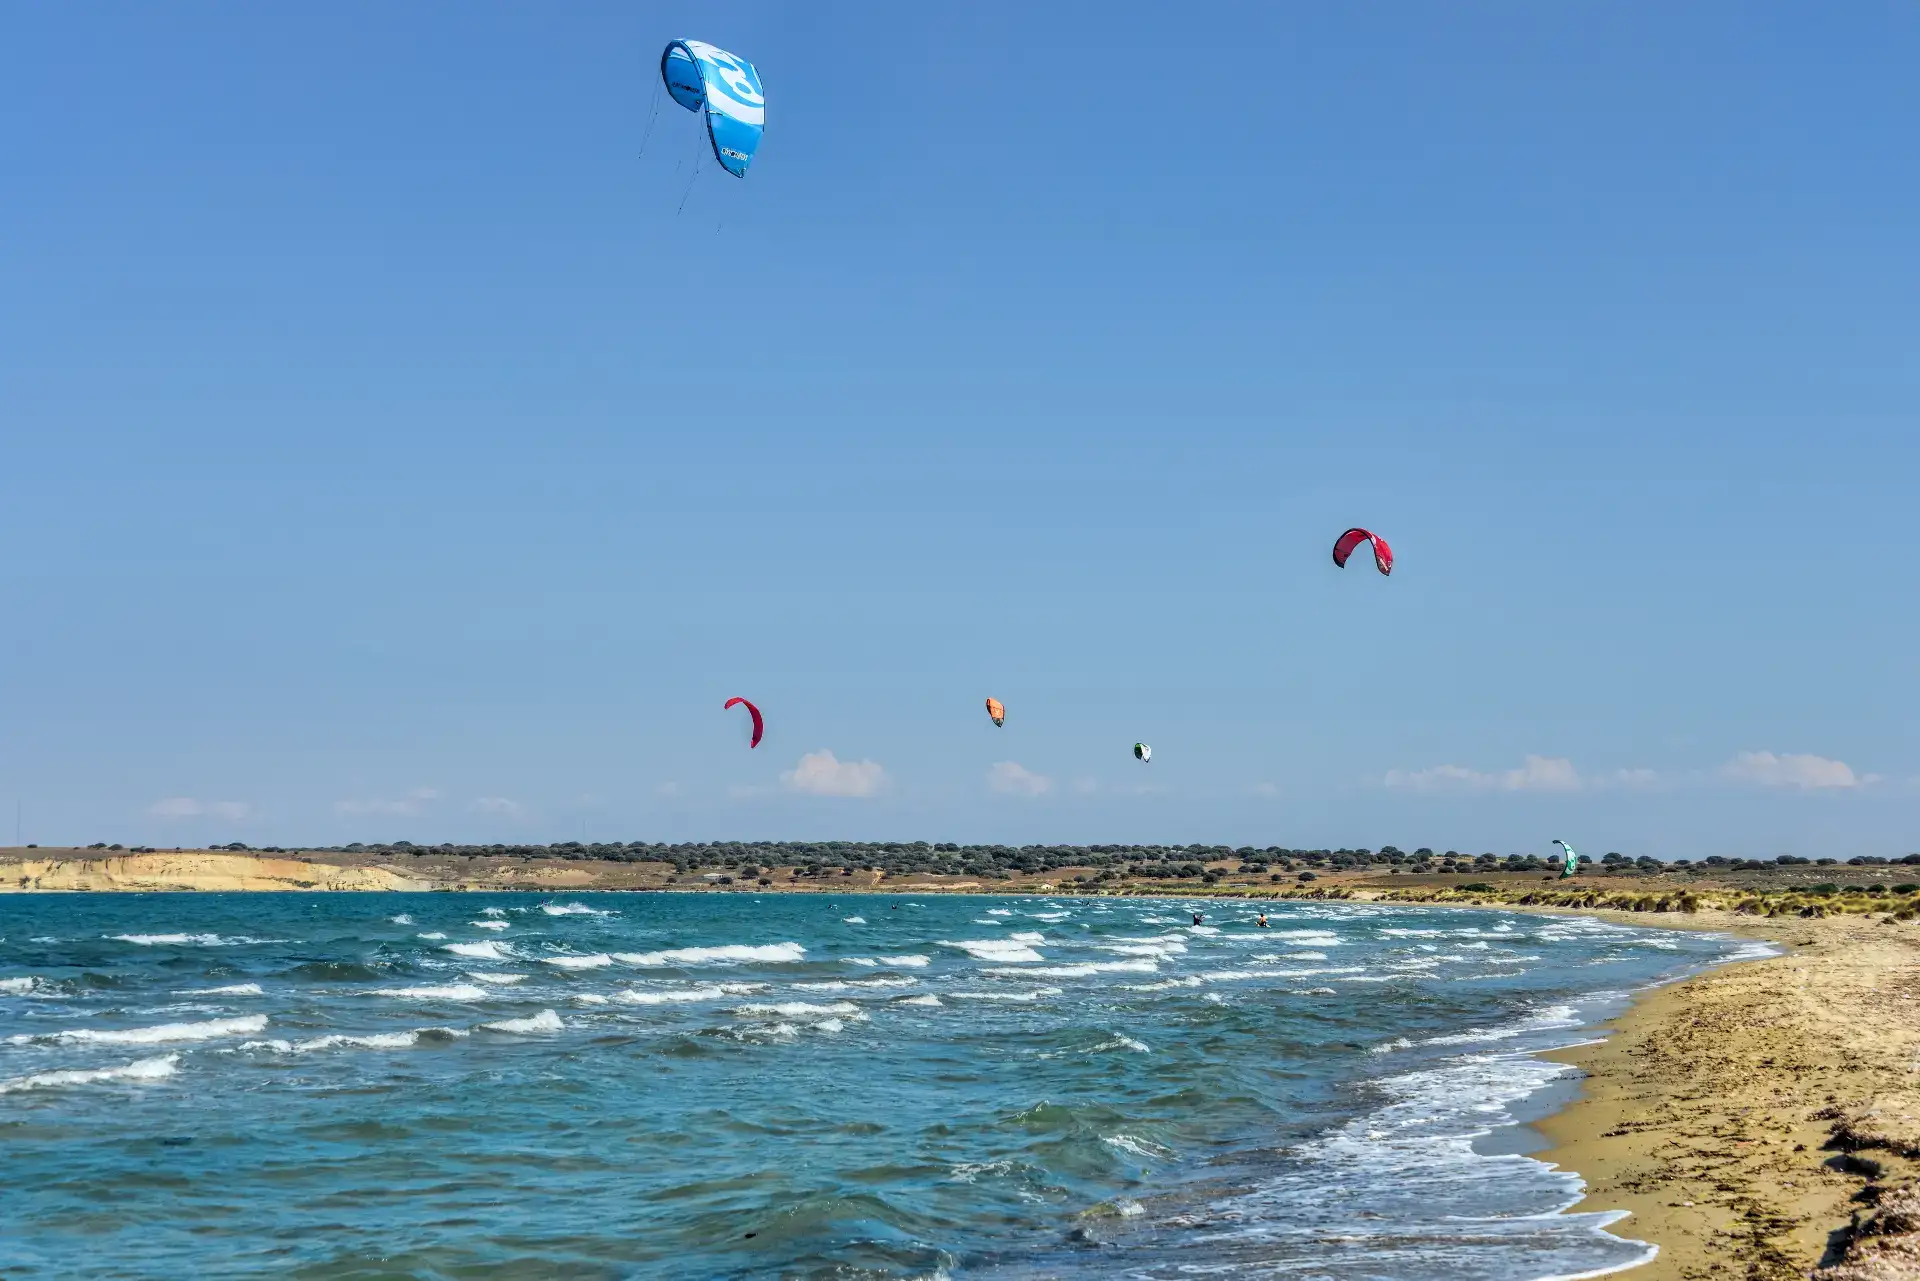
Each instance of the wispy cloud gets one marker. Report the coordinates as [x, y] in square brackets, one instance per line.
[413, 802]
[188, 807]
[822, 774]
[1804, 771]
[500, 805]
[1535, 774]
[1010, 778]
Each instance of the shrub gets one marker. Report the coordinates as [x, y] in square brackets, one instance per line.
[1478, 887]
[1825, 887]
[1905, 887]
[1307, 876]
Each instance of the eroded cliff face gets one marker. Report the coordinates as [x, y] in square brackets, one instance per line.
[196, 871]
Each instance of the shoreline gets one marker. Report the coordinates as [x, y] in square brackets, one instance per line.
[1759, 1119]
[1748, 1119]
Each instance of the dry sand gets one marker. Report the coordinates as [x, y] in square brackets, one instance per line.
[1751, 1119]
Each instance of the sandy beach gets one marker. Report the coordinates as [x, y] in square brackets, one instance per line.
[1761, 1120]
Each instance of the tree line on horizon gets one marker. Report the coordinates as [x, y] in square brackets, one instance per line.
[1108, 862]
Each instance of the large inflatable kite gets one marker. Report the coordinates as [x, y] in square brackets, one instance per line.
[1572, 863]
[1382, 554]
[759, 726]
[703, 78]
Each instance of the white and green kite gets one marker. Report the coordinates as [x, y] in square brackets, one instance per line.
[1572, 864]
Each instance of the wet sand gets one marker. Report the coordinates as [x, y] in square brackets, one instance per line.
[1750, 1119]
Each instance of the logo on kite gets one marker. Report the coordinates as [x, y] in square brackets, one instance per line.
[997, 710]
[1382, 554]
[1142, 753]
[759, 725]
[727, 88]
[1572, 863]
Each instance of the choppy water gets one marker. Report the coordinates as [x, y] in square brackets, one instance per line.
[634, 1085]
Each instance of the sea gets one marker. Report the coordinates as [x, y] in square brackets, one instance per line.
[741, 1085]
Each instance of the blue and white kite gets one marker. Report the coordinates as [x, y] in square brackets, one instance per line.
[728, 88]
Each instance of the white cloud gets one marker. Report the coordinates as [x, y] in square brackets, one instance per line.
[821, 774]
[669, 789]
[188, 807]
[500, 805]
[412, 803]
[1536, 774]
[1806, 772]
[1010, 778]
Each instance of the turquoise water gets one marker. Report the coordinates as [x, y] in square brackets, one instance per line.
[647, 1085]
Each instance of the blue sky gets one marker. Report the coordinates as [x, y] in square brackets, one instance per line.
[385, 453]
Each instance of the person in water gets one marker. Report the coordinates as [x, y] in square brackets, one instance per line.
[1263, 920]
[1196, 918]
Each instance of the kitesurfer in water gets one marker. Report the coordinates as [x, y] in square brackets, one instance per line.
[1263, 920]
[1196, 918]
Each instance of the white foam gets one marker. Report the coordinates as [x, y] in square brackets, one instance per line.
[1203, 929]
[493, 911]
[597, 961]
[1139, 1147]
[488, 950]
[1543, 1020]
[1121, 1041]
[1049, 916]
[922, 1000]
[152, 1069]
[1027, 936]
[998, 911]
[376, 1041]
[1084, 970]
[15, 987]
[1006, 996]
[232, 989]
[803, 1012]
[1161, 950]
[448, 992]
[1003, 951]
[897, 962]
[1188, 981]
[544, 1021]
[496, 977]
[853, 920]
[488, 924]
[845, 985]
[737, 952]
[207, 1031]
[682, 995]
[179, 940]
[431, 934]
[589, 998]
[572, 909]
[402, 919]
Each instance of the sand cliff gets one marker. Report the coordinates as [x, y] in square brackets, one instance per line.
[196, 871]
